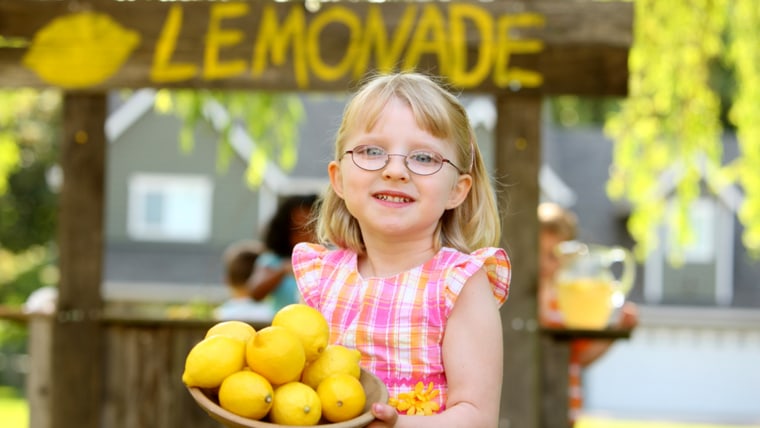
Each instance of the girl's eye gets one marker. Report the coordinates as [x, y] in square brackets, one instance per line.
[424, 157]
[372, 151]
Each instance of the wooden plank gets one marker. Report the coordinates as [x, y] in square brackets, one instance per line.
[575, 46]
[38, 381]
[517, 162]
[77, 344]
[146, 390]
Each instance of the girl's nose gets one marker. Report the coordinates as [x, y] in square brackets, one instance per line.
[396, 169]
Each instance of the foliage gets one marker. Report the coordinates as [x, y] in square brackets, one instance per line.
[270, 119]
[745, 112]
[29, 137]
[670, 121]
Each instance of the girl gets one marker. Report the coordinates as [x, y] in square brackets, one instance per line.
[272, 278]
[412, 278]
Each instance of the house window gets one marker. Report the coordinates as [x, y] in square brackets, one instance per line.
[704, 277]
[169, 208]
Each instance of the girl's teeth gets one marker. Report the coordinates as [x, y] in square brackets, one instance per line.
[388, 198]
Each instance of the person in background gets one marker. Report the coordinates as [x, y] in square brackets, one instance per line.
[272, 278]
[557, 224]
[407, 270]
[239, 259]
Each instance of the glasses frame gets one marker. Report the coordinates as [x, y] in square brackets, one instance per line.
[406, 160]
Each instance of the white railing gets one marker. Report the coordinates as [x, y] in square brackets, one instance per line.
[688, 363]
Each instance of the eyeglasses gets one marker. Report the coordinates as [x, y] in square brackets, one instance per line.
[420, 162]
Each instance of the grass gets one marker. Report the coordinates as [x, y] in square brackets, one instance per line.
[14, 412]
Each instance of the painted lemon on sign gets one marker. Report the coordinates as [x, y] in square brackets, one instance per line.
[80, 50]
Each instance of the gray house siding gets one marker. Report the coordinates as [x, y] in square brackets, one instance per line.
[145, 269]
[150, 146]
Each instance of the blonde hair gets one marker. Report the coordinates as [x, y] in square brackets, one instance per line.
[552, 218]
[473, 224]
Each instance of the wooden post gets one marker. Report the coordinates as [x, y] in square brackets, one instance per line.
[77, 343]
[555, 359]
[517, 148]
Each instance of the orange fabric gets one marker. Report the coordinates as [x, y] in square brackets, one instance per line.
[574, 372]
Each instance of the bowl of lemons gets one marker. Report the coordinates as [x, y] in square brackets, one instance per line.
[300, 408]
[283, 375]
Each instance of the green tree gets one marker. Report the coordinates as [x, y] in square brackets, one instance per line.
[271, 119]
[29, 137]
[671, 116]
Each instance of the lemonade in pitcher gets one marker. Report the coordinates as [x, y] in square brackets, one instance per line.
[586, 302]
[588, 290]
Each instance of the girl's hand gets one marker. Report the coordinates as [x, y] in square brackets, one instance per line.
[385, 416]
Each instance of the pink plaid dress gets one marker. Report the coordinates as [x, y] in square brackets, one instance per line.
[398, 322]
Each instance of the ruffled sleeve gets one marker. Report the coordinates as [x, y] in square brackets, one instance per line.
[308, 263]
[496, 264]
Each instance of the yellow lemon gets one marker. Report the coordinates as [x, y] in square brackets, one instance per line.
[247, 394]
[213, 359]
[342, 397]
[306, 322]
[80, 49]
[333, 360]
[236, 329]
[295, 404]
[277, 354]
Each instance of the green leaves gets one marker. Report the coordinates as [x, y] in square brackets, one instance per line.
[670, 122]
[744, 56]
[271, 120]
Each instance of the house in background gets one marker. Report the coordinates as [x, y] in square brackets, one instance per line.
[170, 213]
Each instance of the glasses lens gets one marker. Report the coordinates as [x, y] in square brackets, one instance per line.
[424, 163]
[370, 158]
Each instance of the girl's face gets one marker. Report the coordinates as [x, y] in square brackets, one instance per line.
[393, 201]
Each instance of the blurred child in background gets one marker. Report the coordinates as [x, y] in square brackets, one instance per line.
[273, 275]
[239, 259]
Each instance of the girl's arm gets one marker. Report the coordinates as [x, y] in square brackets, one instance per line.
[472, 355]
[265, 279]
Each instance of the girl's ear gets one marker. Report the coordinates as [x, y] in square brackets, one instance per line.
[459, 191]
[336, 178]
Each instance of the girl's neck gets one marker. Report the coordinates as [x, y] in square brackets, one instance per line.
[387, 258]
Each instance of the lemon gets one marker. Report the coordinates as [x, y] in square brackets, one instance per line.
[333, 360]
[342, 397]
[213, 359]
[306, 322]
[247, 394]
[277, 354]
[295, 404]
[236, 329]
[80, 49]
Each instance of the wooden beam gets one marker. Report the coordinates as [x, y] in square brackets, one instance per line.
[517, 163]
[574, 46]
[77, 367]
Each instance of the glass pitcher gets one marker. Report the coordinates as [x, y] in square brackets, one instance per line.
[592, 282]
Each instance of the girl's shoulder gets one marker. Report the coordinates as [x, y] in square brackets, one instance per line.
[482, 257]
[308, 250]
[460, 266]
[309, 256]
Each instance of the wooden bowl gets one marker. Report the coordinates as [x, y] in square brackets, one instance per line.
[373, 387]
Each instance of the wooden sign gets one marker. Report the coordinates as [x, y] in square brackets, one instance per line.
[577, 47]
